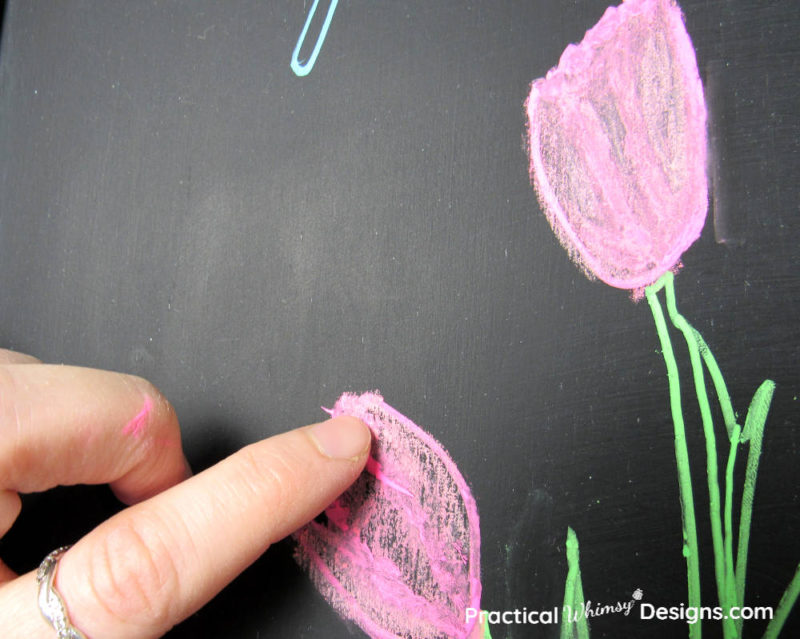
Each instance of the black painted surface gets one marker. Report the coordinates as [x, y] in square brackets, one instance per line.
[176, 203]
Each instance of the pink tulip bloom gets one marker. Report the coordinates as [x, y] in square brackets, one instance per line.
[399, 552]
[617, 141]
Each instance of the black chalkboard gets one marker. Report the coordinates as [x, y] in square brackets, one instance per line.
[176, 202]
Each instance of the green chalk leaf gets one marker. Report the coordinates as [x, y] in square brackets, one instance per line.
[784, 607]
[757, 412]
[573, 593]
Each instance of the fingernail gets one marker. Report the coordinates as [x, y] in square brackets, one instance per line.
[341, 438]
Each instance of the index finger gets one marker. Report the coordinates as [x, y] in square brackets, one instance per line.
[154, 564]
[13, 357]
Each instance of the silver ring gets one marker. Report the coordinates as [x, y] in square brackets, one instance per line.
[51, 604]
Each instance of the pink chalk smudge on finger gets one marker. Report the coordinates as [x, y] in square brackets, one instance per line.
[617, 142]
[137, 425]
[399, 552]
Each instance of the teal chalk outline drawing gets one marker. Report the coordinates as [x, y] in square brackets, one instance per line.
[304, 68]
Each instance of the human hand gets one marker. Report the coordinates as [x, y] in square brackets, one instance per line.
[182, 540]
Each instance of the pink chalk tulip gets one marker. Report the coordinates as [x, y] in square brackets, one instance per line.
[617, 141]
[399, 552]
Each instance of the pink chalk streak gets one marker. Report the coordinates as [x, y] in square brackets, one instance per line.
[374, 468]
[617, 142]
[137, 425]
[399, 553]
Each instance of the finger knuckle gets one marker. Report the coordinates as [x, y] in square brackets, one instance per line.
[133, 576]
[161, 405]
[269, 477]
[15, 456]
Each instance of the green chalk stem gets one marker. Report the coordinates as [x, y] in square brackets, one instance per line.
[723, 572]
[730, 578]
[784, 607]
[681, 454]
[723, 568]
[728, 414]
[486, 632]
[573, 593]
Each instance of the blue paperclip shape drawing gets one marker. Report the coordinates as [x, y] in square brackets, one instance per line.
[303, 68]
